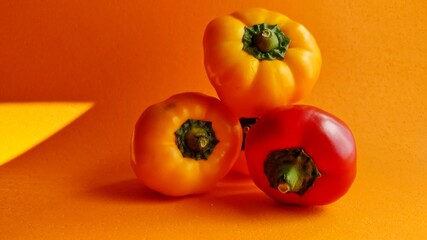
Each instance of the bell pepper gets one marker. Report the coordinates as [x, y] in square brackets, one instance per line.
[301, 154]
[258, 60]
[185, 144]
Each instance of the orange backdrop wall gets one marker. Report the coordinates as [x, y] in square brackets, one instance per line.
[75, 76]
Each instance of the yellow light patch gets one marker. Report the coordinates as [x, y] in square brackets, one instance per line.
[24, 125]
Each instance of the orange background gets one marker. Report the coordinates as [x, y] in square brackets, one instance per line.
[104, 62]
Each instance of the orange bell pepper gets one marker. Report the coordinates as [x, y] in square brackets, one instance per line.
[258, 60]
[185, 144]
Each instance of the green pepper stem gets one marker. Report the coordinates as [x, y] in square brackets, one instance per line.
[265, 42]
[290, 170]
[196, 139]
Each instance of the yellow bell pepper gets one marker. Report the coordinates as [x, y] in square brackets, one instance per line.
[258, 60]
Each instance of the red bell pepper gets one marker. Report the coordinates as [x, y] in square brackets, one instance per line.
[301, 155]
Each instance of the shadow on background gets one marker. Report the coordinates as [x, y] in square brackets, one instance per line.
[233, 195]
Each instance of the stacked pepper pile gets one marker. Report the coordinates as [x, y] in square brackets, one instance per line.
[261, 63]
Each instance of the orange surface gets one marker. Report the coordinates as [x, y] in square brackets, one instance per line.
[118, 57]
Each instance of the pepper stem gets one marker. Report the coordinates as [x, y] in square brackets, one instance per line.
[283, 187]
[196, 139]
[290, 170]
[265, 42]
[246, 124]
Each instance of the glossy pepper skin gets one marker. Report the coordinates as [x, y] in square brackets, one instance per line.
[174, 155]
[322, 144]
[252, 76]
